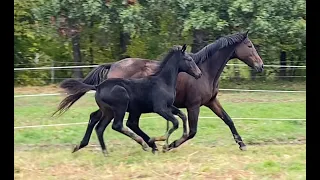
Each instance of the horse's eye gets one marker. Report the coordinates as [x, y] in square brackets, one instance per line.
[250, 46]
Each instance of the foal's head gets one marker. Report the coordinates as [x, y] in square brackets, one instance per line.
[187, 64]
[247, 53]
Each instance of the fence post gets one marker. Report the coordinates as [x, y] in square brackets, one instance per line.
[52, 72]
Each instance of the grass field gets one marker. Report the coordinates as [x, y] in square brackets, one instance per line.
[276, 149]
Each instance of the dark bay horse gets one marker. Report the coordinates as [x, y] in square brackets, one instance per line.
[155, 93]
[191, 93]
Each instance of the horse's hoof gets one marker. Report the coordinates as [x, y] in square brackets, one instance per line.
[243, 148]
[164, 151]
[151, 140]
[154, 150]
[145, 147]
[105, 153]
[75, 149]
[165, 148]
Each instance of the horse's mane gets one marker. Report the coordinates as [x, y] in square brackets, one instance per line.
[166, 58]
[222, 42]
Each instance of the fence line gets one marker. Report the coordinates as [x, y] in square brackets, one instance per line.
[39, 95]
[220, 77]
[85, 63]
[261, 90]
[81, 123]
[71, 67]
[239, 90]
[58, 67]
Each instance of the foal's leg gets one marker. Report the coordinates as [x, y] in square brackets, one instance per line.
[183, 117]
[167, 114]
[133, 124]
[94, 119]
[117, 99]
[117, 125]
[101, 126]
[193, 114]
[216, 107]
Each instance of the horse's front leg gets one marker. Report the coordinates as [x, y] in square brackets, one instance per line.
[167, 114]
[216, 107]
[94, 119]
[183, 117]
[193, 115]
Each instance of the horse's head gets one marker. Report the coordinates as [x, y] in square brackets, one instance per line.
[247, 53]
[187, 64]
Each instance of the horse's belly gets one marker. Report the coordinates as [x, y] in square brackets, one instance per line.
[179, 104]
[140, 107]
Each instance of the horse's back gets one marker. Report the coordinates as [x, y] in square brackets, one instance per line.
[132, 68]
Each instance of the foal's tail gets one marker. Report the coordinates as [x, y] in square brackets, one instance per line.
[76, 89]
[95, 77]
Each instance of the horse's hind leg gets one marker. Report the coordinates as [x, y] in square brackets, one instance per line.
[118, 126]
[94, 118]
[101, 126]
[119, 100]
[133, 124]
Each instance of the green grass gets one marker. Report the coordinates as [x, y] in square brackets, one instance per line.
[212, 154]
[297, 85]
[37, 110]
[188, 162]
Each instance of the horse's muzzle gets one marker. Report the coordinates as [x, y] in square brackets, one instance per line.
[259, 68]
[198, 76]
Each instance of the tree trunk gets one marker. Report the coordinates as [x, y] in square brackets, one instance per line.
[91, 42]
[75, 40]
[124, 41]
[236, 70]
[283, 62]
[199, 40]
[253, 74]
[90, 49]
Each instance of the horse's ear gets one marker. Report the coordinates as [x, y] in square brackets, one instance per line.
[184, 47]
[247, 33]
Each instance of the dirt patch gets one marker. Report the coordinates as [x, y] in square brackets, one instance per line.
[258, 98]
[96, 147]
[222, 96]
[187, 163]
[240, 100]
[37, 89]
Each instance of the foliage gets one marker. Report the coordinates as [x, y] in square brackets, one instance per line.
[42, 29]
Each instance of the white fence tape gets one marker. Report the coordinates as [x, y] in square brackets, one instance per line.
[239, 90]
[88, 66]
[81, 123]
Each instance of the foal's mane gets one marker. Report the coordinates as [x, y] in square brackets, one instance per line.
[225, 41]
[167, 57]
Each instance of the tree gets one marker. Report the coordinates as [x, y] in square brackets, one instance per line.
[104, 31]
[70, 17]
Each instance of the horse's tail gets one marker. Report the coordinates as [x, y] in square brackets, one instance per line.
[76, 89]
[97, 75]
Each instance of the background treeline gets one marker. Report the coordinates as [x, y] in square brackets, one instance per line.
[82, 32]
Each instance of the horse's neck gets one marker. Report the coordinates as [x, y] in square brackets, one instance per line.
[169, 72]
[213, 67]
